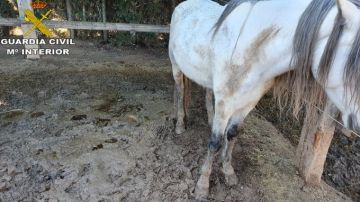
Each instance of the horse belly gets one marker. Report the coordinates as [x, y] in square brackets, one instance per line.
[201, 77]
[196, 66]
[190, 43]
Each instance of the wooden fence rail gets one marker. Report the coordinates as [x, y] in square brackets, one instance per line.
[93, 25]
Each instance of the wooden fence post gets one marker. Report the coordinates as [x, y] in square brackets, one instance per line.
[103, 6]
[69, 15]
[314, 145]
[22, 6]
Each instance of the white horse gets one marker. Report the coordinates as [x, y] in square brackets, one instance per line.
[238, 50]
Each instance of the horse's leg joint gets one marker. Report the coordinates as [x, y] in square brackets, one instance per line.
[215, 143]
[232, 132]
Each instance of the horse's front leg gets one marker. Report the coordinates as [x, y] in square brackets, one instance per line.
[218, 129]
[179, 95]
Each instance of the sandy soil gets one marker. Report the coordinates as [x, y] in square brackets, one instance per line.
[97, 126]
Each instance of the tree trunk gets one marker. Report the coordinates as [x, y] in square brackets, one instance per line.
[173, 5]
[83, 12]
[103, 6]
[69, 15]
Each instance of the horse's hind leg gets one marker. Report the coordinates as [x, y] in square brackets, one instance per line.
[210, 106]
[179, 99]
[232, 131]
[218, 130]
[229, 173]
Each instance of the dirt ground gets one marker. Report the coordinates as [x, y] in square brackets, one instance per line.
[97, 126]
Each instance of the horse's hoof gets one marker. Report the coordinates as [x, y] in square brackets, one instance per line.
[201, 200]
[201, 193]
[179, 130]
[231, 180]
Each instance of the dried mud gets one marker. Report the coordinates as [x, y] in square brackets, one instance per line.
[98, 126]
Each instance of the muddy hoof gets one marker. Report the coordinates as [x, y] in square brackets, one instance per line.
[231, 180]
[201, 200]
[201, 193]
[179, 130]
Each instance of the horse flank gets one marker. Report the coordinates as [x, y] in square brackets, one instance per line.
[252, 55]
[299, 87]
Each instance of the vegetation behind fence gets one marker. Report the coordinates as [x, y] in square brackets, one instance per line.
[156, 12]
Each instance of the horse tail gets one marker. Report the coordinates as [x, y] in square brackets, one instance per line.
[187, 94]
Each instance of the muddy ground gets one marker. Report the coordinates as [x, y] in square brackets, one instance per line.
[97, 126]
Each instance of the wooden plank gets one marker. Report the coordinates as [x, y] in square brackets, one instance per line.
[314, 145]
[93, 25]
[9, 22]
[24, 5]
